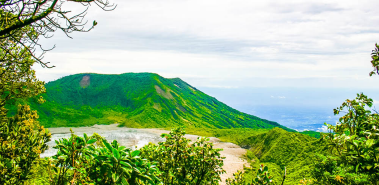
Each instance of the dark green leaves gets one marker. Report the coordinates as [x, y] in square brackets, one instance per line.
[105, 164]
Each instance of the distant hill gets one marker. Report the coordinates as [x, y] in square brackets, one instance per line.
[137, 100]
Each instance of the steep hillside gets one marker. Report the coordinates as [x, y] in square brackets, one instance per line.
[278, 148]
[137, 100]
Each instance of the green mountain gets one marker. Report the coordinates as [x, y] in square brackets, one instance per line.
[137, 100]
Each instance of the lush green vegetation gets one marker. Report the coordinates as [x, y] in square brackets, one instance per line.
[347, 155]
[137, 100]
[86, 160]
[92, 160]
[22, 141]
[183, 163]
[262, 177]
[279, 149]
[353, 144]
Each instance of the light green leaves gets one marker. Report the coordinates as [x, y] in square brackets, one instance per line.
[370, 142]
[22, 141]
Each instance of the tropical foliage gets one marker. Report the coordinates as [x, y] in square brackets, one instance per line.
[346, 155]
[22, 141]
[183, 163]
[263, 177]
[82, 160]
[354, 144]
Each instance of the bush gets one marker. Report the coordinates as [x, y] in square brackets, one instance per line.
[83, 160]
[263, 177]
[353, 144]
[183, 163]
[22, 140]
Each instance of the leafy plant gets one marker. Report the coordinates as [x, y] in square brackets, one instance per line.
[262, 178]
[183, 163]
[237, 180]
[22, 141]
[83, 160]
[354, 144]
[375, 60]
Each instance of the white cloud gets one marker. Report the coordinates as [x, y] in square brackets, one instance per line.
[226, 43]
[323, 129]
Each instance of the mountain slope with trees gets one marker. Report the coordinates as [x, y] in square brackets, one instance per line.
[137, 100]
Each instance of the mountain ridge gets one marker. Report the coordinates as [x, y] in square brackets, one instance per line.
[137, 100]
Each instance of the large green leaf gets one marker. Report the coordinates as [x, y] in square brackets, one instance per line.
[91, 141]
[135, 153]
[109, 147]
[116, 154]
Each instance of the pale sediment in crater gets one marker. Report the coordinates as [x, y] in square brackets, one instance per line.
[132, 137]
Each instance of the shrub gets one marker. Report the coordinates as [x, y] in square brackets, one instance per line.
[183, 163]
[22, 140]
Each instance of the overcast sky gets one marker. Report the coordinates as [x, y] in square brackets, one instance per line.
[226, 43]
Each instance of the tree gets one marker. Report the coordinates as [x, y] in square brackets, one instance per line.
[22, 141]
[353, 144]
[44, 17]
[183, 163]
[375, 60]
[22, 22]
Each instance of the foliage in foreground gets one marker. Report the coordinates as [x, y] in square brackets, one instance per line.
[354, 144]
[22, 141]
[183, 163]
[82, 160]
[262, 177]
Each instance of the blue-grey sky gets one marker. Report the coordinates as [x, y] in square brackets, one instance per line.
[226, 43]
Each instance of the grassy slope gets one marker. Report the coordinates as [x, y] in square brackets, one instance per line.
[278, 148]
[137, 100]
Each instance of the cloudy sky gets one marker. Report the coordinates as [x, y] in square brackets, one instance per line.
[226, 43]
